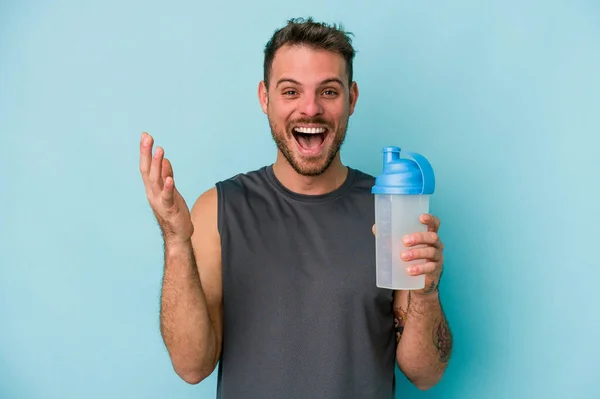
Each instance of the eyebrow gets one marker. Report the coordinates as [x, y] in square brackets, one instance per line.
[289, 80]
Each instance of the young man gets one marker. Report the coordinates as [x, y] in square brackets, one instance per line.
[272, 273]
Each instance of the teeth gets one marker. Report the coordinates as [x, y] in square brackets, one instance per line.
[310, 130]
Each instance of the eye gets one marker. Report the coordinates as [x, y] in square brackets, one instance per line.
[289, 92]
[330, 93]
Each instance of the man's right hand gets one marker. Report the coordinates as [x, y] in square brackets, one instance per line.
[166, 202]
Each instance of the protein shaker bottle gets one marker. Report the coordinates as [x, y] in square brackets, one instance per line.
[402, 194]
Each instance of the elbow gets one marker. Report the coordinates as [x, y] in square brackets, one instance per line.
[423, 382]
[423, 378]
[193, 377]
[194, 373]
[193, 370]
[425, 385]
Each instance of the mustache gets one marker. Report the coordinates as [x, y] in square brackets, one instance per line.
[306, 121]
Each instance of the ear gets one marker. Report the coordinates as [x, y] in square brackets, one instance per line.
[353, 96]
[263, 96]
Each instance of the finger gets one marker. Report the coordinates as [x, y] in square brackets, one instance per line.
[425, 268]
[428, 253]
[422, 238]
[167, 170]
[167, 192]
[373, 230]
[155, 171]
[432, 222]
[145, 155]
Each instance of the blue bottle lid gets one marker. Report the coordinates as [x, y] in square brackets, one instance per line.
[404, 176]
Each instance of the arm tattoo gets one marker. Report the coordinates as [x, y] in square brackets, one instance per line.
[399, 322]
[430, 288]
[442, 339]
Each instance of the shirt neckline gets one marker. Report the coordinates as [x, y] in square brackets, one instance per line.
[332, 195]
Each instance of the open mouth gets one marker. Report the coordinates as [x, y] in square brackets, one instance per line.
[310, 138]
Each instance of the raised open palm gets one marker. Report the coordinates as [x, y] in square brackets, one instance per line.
[166, 202]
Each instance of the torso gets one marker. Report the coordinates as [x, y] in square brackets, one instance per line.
[302, 314]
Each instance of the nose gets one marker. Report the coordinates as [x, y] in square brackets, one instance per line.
[310, 105]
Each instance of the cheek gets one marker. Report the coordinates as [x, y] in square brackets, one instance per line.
[278, 118]
[338, 110]
[280, 113]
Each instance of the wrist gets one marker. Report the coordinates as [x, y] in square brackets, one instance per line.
[175, 247]
[423, 304]
[429, 296]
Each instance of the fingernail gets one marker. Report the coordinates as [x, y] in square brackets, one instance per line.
[405, 255]
[412, 270]
[408, 240]
[146, 139]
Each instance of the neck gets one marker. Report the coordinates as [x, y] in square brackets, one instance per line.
[328, 181]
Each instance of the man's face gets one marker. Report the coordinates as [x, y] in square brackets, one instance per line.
[308, 103]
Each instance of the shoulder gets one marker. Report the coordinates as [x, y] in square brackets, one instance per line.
[242, 183]
[361, 175]
[244, 177]
[363, 181]
[204, 209]
[208, 201]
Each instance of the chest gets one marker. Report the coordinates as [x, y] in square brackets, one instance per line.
[324, 251]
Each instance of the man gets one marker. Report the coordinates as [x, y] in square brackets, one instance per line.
[272, 273]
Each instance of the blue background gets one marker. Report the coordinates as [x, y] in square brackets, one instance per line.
[502, 97]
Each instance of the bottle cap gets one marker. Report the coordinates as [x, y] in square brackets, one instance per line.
[404, 176]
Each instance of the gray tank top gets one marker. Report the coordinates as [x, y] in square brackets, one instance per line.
[302, 315]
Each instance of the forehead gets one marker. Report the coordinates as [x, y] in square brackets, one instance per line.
[307, 65]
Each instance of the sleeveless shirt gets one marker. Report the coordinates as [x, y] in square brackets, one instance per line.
[302, 316]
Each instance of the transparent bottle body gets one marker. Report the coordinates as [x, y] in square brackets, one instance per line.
[395, 216]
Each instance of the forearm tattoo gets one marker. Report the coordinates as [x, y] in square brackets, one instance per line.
[399, 322]
[442, 339]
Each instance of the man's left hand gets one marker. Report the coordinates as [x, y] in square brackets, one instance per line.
[431, 251]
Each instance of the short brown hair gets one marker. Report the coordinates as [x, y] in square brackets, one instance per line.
[318, 35]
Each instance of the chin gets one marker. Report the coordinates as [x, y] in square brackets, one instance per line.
[311, 165]
[308, 169]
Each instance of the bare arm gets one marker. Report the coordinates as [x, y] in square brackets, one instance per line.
[190, 311]
[422, 330]
[190, 317]
[424, 337]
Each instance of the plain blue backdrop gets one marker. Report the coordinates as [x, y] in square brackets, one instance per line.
[502, 97]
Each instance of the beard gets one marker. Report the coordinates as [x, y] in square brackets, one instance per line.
[314, 165]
